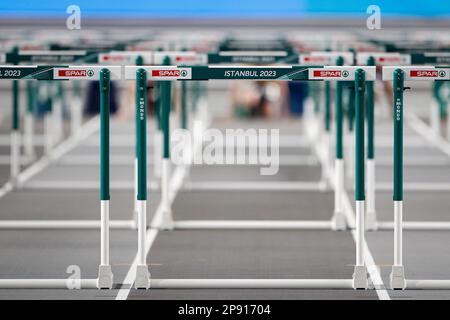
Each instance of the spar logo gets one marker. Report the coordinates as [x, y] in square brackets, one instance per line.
[113, 58]
[427, 73]
[331, 73]
[68, 73]
[186, 58]
[388, 59]
[314, 59]
[176, 73]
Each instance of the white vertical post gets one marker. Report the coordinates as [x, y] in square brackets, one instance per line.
[371, 216]
[349, 157]
[360, 239]
[360, 271]
[398, 233]
[105, 276]
[135, 209]
[142, 280]
[104, 232]
[397, 277]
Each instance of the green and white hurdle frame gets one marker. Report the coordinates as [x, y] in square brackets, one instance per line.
[104, 75]
[399, 74]
[166, 74]
[390, 59]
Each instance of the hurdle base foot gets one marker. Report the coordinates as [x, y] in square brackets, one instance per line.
[360, 281]
[371, 221]
[397, 278]
[105, 277]
[142, 280]
[338, 222]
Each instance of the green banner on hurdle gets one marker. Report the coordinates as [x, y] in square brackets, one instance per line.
[57, 72]
[280, 73]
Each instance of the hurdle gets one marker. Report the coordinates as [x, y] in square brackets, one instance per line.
[281, 73]
[105, 75]
[398, 74]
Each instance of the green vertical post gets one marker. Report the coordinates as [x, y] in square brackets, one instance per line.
[15, 105]
[339, 116]
[15, 98]
[139, 62]
[195, 94]
[370, 115]
[360, 84]
[398, 134]
[104, 133]
[141, 131]
[31, 97]
[351, 108]
[184, 113]
[166, 95]
[437, 86]
[49, 102]
[158, 99]
[327, 114]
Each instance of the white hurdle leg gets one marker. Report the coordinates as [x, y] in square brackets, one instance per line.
[349, 157]
[360, 272]
[105, 276]
[142, 280]
[371, 216]
[397, 277]
[135, 209]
